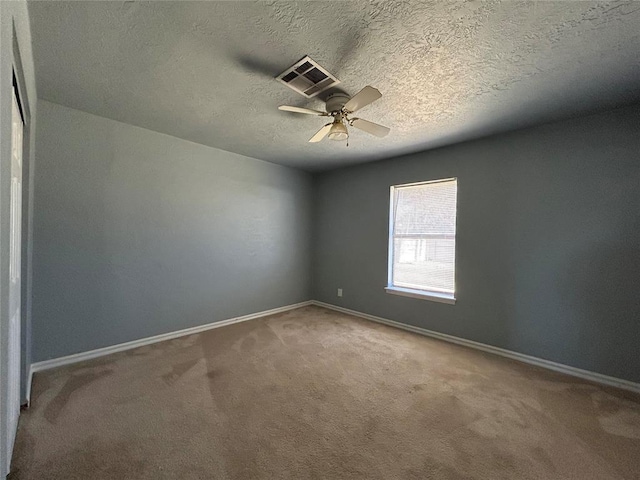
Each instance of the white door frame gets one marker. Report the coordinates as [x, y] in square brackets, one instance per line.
[12, 78]
[14, 351]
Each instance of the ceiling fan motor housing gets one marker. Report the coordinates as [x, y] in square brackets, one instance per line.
[336, 101]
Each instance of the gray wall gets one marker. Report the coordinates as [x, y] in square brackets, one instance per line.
[548, 241]
[138, 233]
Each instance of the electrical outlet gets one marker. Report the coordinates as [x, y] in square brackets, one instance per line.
[339, 292]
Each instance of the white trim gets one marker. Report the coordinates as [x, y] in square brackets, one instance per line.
[422, 294]
[29, 382]
[425, 182]
[100, 352]
[558, 367]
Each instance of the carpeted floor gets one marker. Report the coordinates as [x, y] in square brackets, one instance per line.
[315, 394]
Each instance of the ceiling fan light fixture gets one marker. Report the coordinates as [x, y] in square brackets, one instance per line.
[338, 132]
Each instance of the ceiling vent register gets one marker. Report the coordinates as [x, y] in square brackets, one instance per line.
[307, 78]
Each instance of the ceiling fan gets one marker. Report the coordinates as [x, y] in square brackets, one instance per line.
[340, 107]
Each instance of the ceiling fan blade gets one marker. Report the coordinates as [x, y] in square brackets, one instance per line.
[363, 98]
[321, 133]
[370, 127]
[308, 111]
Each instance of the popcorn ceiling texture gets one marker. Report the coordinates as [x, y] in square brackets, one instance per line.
[449, 71]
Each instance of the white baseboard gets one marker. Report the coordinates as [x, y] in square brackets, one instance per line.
[558, 367]
[29, 382]
[100, 352]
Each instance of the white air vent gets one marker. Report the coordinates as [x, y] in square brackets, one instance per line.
[307, 78]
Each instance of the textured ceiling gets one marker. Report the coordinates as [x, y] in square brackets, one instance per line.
[449, 71]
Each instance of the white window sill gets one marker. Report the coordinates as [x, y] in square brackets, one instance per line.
[423, 295]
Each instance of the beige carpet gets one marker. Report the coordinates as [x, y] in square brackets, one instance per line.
[315, 394]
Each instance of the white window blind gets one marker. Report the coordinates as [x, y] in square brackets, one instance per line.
[422, 243]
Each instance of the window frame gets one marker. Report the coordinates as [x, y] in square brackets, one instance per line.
[431, 295]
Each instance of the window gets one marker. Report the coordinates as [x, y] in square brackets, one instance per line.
[422, 240]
